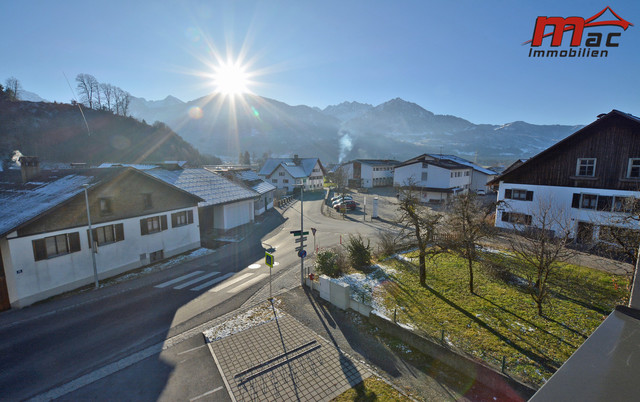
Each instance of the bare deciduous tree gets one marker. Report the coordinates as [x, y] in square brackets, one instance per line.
[466, 226]
[13, 88]
[541, 247]
[420, 224]
[87, 86]
[107, 94]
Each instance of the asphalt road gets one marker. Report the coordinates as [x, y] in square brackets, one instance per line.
[139, 340]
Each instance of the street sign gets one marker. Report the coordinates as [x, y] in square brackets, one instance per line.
[299, 248]
[301, 239]
[268, 259]
[298, 233]
[302, 253]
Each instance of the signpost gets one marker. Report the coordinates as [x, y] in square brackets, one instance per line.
[269, 260]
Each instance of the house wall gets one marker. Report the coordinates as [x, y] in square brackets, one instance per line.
[315, 181]
[559, 199]
[284, 181]
[479, 181]
[404, 174]
[30, 281]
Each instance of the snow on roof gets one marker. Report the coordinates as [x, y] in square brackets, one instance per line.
[377, 162]
[211, 187]
[133, 165]
[24, 202]
[465, 162]
[254, 181]
[303, 169]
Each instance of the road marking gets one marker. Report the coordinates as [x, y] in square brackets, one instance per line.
[205, 394]
[254, 266]
[213, 282]
[191, 350]
[247, 283]
[182, 278]
[198, 279]
[231, 282]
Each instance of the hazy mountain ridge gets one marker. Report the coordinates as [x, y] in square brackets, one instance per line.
[56, 132]
[394, 129]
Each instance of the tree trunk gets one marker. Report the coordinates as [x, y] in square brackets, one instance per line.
[539, 303]
[423, 270]
[470, 276]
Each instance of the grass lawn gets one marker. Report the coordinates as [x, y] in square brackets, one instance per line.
[371, 389]
[501, 319]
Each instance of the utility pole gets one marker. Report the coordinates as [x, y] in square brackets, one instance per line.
[92, 245]
[302, 234]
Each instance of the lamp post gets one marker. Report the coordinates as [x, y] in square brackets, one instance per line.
[302, 233]
[91, 244]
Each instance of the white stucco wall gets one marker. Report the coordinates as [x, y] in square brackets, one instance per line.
[39, 280]
[229, 216]
[560, 199]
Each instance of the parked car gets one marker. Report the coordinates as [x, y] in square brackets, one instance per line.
[339, 200]
[348, 204]
[339, 197]
[480, 192]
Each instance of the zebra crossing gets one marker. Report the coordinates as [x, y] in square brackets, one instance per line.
[241, 282]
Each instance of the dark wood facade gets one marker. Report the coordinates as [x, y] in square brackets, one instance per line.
[612, 140]
[129, 193]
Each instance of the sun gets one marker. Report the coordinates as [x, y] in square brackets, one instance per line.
[231, 79]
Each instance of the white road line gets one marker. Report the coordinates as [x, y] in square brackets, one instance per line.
[182, 278]
[198, 279]
[205, 394]
[231, 282]
[191, 350]
[213, 282]
[247, 284]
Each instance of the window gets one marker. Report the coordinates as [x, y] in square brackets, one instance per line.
[156, 256]
[589, 201]
[516, 218]
[586, 167]
[285, 180]
[518, 194]
[626, 204]
[147, 203]
[424, 176]
[107, 234]
[633, 172]
[280, 173]
[105, 206]
[274, 181]
[181, 218]
[54, 246]
[153, 225]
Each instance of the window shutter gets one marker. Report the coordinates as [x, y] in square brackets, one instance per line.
[39, 250]
[507, 193]
[95, 237]
[174, 220]
[529, 196]
[190, 216]
[143, 227]
[89, 239]
[163, 219]
[119, 232]
[505, 217]
[74, 242]
[575, 203]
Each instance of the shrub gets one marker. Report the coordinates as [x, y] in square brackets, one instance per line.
[327, 263]
[359, 254]
[387, 243]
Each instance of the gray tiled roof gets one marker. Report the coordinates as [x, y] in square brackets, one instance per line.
[303, 169]
[211, 187]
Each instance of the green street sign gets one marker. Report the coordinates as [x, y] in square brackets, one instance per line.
[268, 259]
[298, 233]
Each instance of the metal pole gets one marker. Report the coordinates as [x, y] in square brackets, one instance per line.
[92, 244]
[302, 233]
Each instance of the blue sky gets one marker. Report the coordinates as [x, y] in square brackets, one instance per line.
[463, 58]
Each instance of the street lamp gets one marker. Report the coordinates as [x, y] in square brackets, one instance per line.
[92, 246]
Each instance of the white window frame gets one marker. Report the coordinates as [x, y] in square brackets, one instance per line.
[633, 162]
[579, 164]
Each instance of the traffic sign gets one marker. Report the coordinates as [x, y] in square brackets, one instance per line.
[268, 259]
[299, 248]
[298, 233]
[313, 230]
[302, 253]
[301, 239]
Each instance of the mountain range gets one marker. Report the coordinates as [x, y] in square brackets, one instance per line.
[395, 129]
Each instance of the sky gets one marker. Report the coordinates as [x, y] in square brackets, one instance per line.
[464, 58]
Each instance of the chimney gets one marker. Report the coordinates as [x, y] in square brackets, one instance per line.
[29, 167]
[296, 160]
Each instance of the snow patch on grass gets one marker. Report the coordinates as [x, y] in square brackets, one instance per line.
[253, 317]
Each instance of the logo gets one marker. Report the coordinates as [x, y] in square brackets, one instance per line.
[597, 43]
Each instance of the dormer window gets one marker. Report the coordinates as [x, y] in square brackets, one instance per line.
[586, 167]
[105, 206]
[633, 171]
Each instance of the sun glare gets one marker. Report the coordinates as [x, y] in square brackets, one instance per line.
[231, 79]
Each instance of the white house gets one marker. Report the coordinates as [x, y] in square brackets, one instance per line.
[590, 181]
[480, 177]
[250, 179]
[289, 173]
[368, 173]
[436, 179]
[44, 232]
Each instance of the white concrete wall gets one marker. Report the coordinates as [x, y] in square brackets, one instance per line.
[404, 174]
[39, 280]
[560, 199]
[229, 216]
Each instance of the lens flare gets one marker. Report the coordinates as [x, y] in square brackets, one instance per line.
[195, 113]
